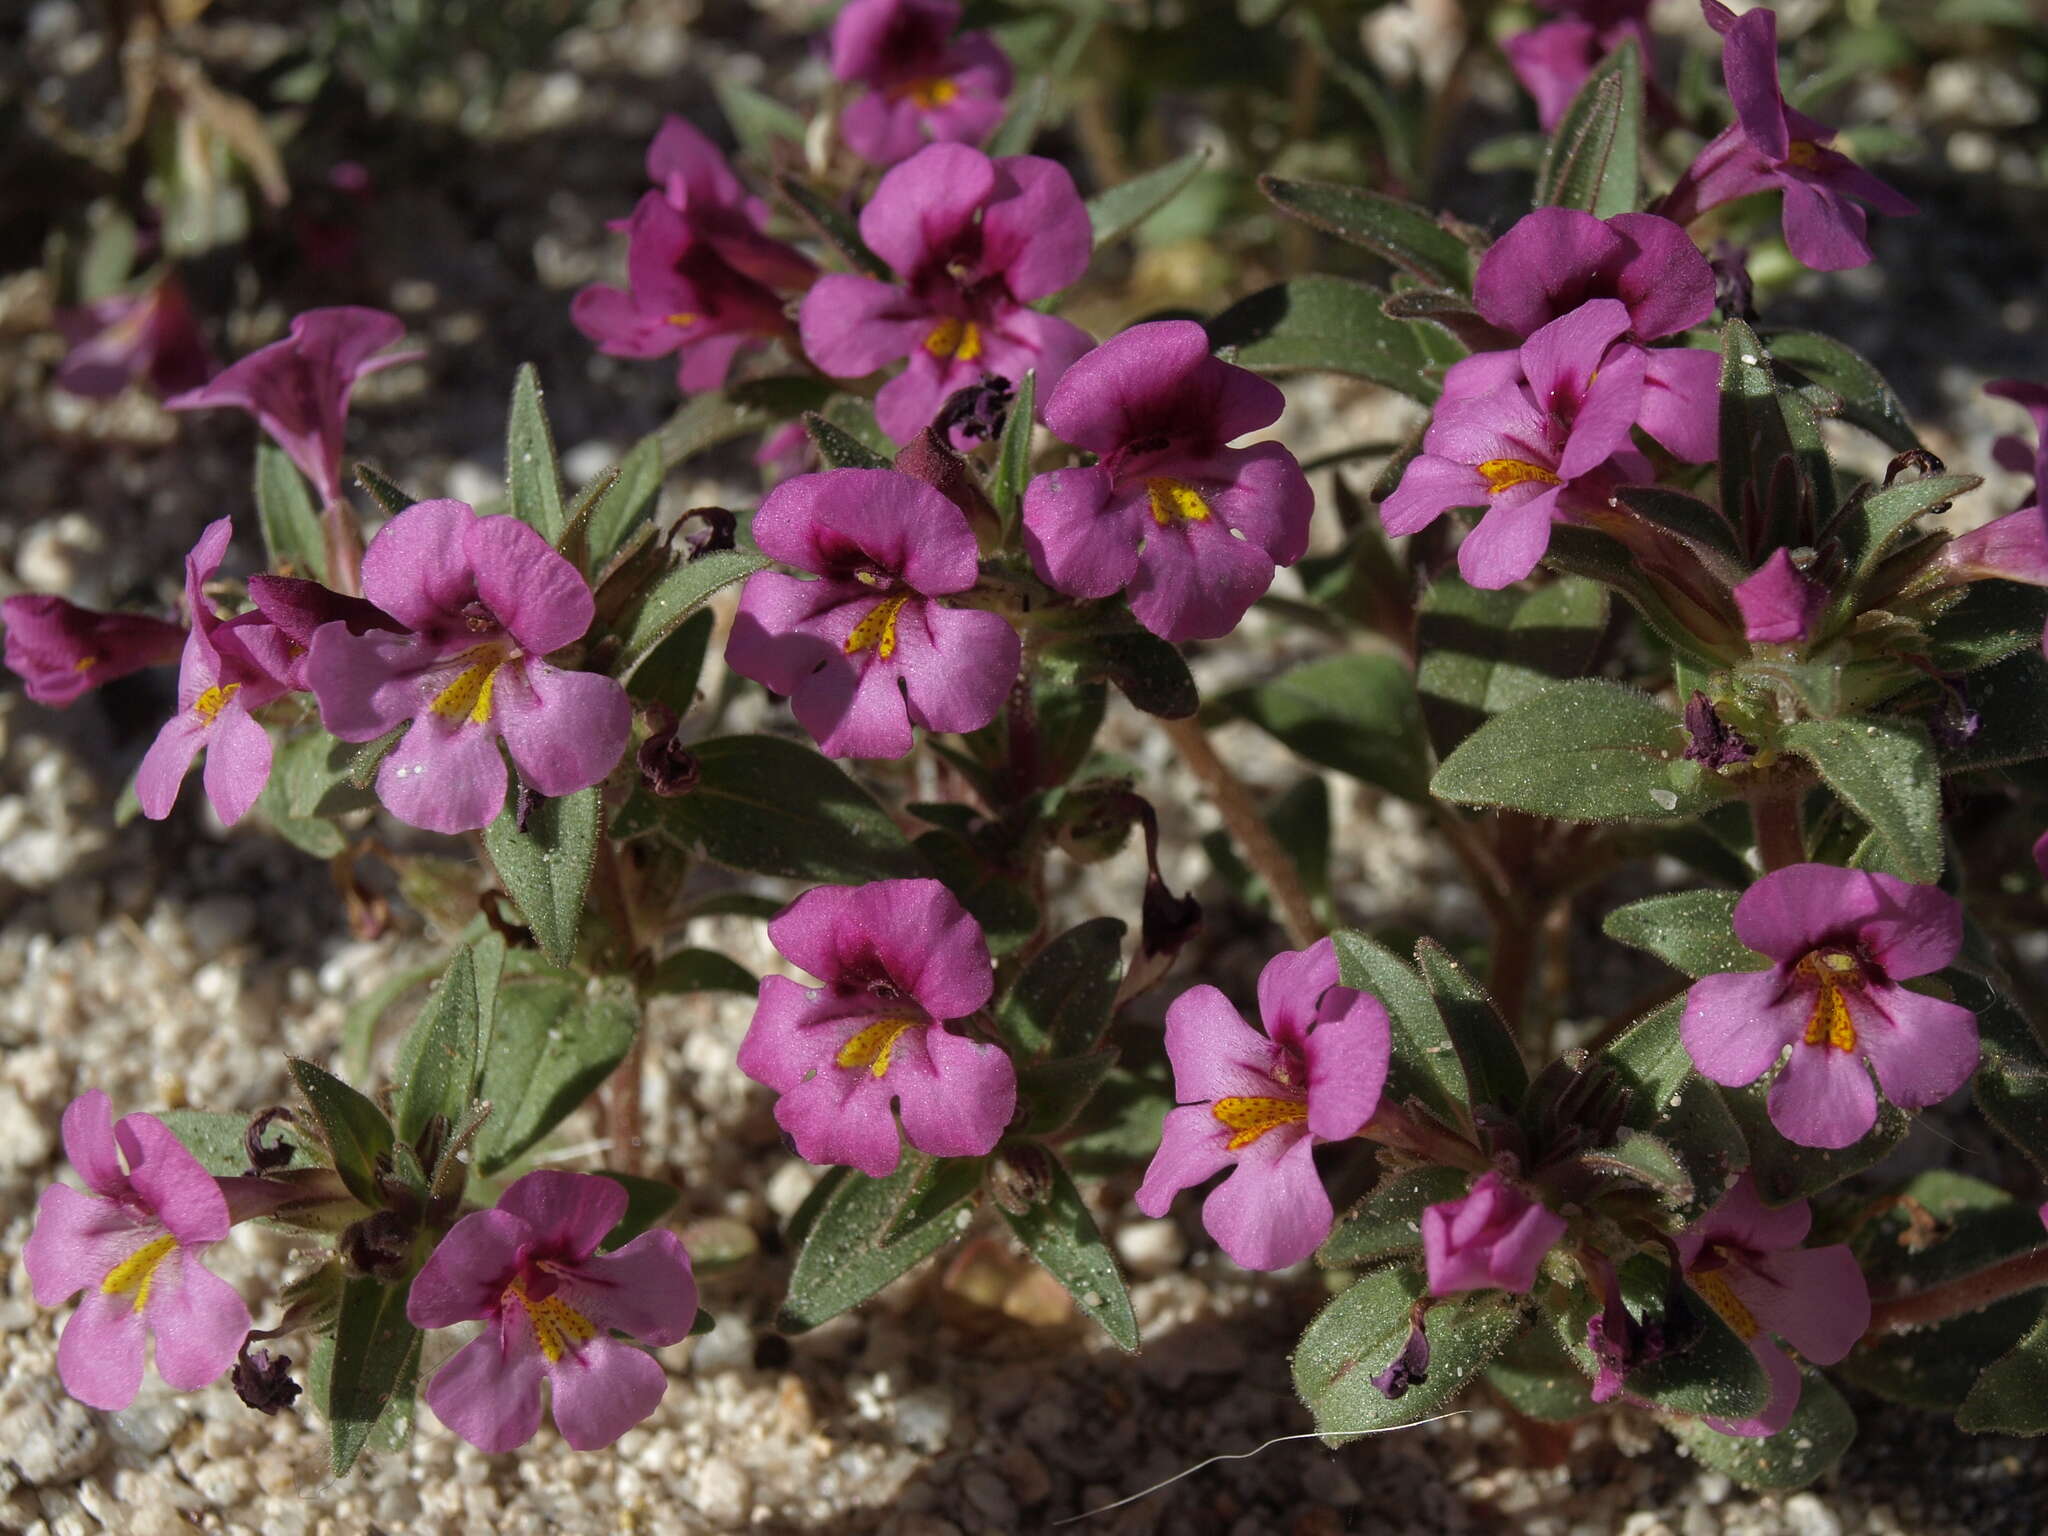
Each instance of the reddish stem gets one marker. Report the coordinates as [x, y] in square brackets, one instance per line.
[1955, 1298]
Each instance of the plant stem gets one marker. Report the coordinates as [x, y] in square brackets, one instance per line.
[1254, 839]
[1780, 840]
[342, 533]
[622, 1091]
[1970, 1293]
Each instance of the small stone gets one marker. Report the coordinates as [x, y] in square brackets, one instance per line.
[52, 1438]
[924, 1419]
[1328, 1483]
[789, 1186]
[25, 1139]
[719, 1242]
[990, 1495]
[1151, 1247]
[722, 1491]
[1806, 1515]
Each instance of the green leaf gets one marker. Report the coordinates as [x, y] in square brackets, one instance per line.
[376, 1353]
[1064, 1001]
[1147, 670]
[986, 883]
[1118, 1132]
[2012, 1077]
[1785, 1172]
[848, 1253]
[673, 598]
[533, 484]
[1494, 1070]
[1641, 1159]
[555, 1040]
[700, 970]
[1388, 1222]
[2008, 1398]
[359, 1025]
[1409, 237]
[1995, 621]
[647, 1201]
[1760, 428]
[1359, 1334]
[756, 405]
[1485, 652]
[354, 1130]
[1845, 383]
[1821, 1430]
[758, 121]
[1060, 1233]
[1052, 1093]
[1701, 528]
[438, 1063]
[2012, 700]
[382, 491]
[1536, 1375]
[1020, 127]
[1356, 713]
[546, 867]
[1329, 324]
[1691, 931]
[669, 674]
[1672, 1102]
[1937, 1368]
[1013, 452]
[292, 535]
[1871, 525]
[1582, 751]
[1424, 1064]
[833, 224]
[838, 448]
[771, 807]
[1121, 209]
[1884, 768]
[1595, 157]
[630, 502]
[1588, 552]
[220, 1141]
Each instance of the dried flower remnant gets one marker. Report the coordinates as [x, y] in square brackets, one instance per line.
[899, 960]
[1714, 741]
[552, 1304]
[1258, 1103]
[133, 1246]
[1842, 941]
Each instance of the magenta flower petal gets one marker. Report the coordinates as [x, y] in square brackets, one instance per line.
[1508, 542]
[199, 1321]
[100, 1353]
[834, 1120]
[417, 568]
[1347, 1068]
[1785, 1387]
[238, 754]
[1680, 385]
[1823, 1098]
[957, 666]
[1923, 1048]
[61, 651]
[536, 594]
[565, 730]
[1037, 234]
[926, 204]
[170, 1182]
[1663, 279]
[442, 780]
[464, 1274]
[913, 931]
[1272, 1210]
[1430, 487]
[1562, 358]
[689, 169]
[1215, 1054]
[1736, 1024]
[1197, 583]
[1492, 1238]
[1823, 229]
[1749, 60]
[853, 325]
[960, 1102]
[1075, 546]
[2014, 547]
[1815, 1299]
[642, 1289]
[77, 1241]
[489, 1391]
[603, 1391]
[567, 1213]
[1552, 62]
[1548, 263]
[88, 1130]
[1192, 1146]
[843, 521]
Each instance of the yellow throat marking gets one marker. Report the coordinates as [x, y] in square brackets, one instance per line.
[471, 692]
[1720, 1295]
[683, 319]
[137, 1271]
[1803, 154]
[210, 703]
[877, 628]
[954, 338]
[557, 1327]
[1251, 1118]
[874, 1046]
[1829, 1023]
[931, 94]
[1175, 501]
[1505, 474]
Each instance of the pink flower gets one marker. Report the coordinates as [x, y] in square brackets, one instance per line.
[699, 184]
[298, 388]
[1555, 259]
[133, 1246]
[1552, 61]
[1780, 604]
[923, 83]
[148, 337]
[230, 668]
[1548, 437]
[1494, 1238]
[1193, 528]
[484, 599]
[2012, 452]
[550, 1303]
[1745, 1261]
[972, 241]
[899, 959]
[60, 650]
[1842, 940]
[1769, 145]
[296, 608]
[1265, 1101]
[867, 651]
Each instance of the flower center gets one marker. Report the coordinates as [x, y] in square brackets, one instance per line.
[1829, 1024]
[874, 1047]
[557, 1327]
[1803, 154]
[85, 663]
[1175, 501]
[930, 93]
[878, 628]
[210, 703]
[137, 1271]
[1251, 1118]
[474, 686]
[1505, 474]
[1712, 1284]
[955, 340]
[682, 319]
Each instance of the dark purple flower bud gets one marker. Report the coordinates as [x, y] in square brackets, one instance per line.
[927, 458]
[263, 1380]
[1020, 1177]
[978, 411]
[706, 530]
[667, 767]
[264, 1156]
[378, 1246]
[1714, 741]
[1734, 292]
[1410, 1368]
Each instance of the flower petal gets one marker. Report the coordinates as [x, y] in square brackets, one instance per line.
[77, 1242]
[1823, 1097]
[99, 1355]
[1082, 541]
[1273, 1210]
[1777, 1411]
[956, 1095]
[199, 1320]
[568, 1213]
[170, 1180]
[443, 780]
[1036, 231]
[602, 1389]
[88, 1127]
[957, 664]
[1215, 1054]
[417, 567]
[1923, 1048]
[529, 588]
[238, 753]
[489, 1391]
[1509, 541]
[1737, 1023]
[1815, 1299]
[565, 730]
[468, 1270]
[1192, 1146]
[923, 206]
[644, 1289]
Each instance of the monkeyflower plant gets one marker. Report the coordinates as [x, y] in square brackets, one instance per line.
[1737, 749]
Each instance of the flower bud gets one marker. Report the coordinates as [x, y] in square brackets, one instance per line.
[1495, 1237]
